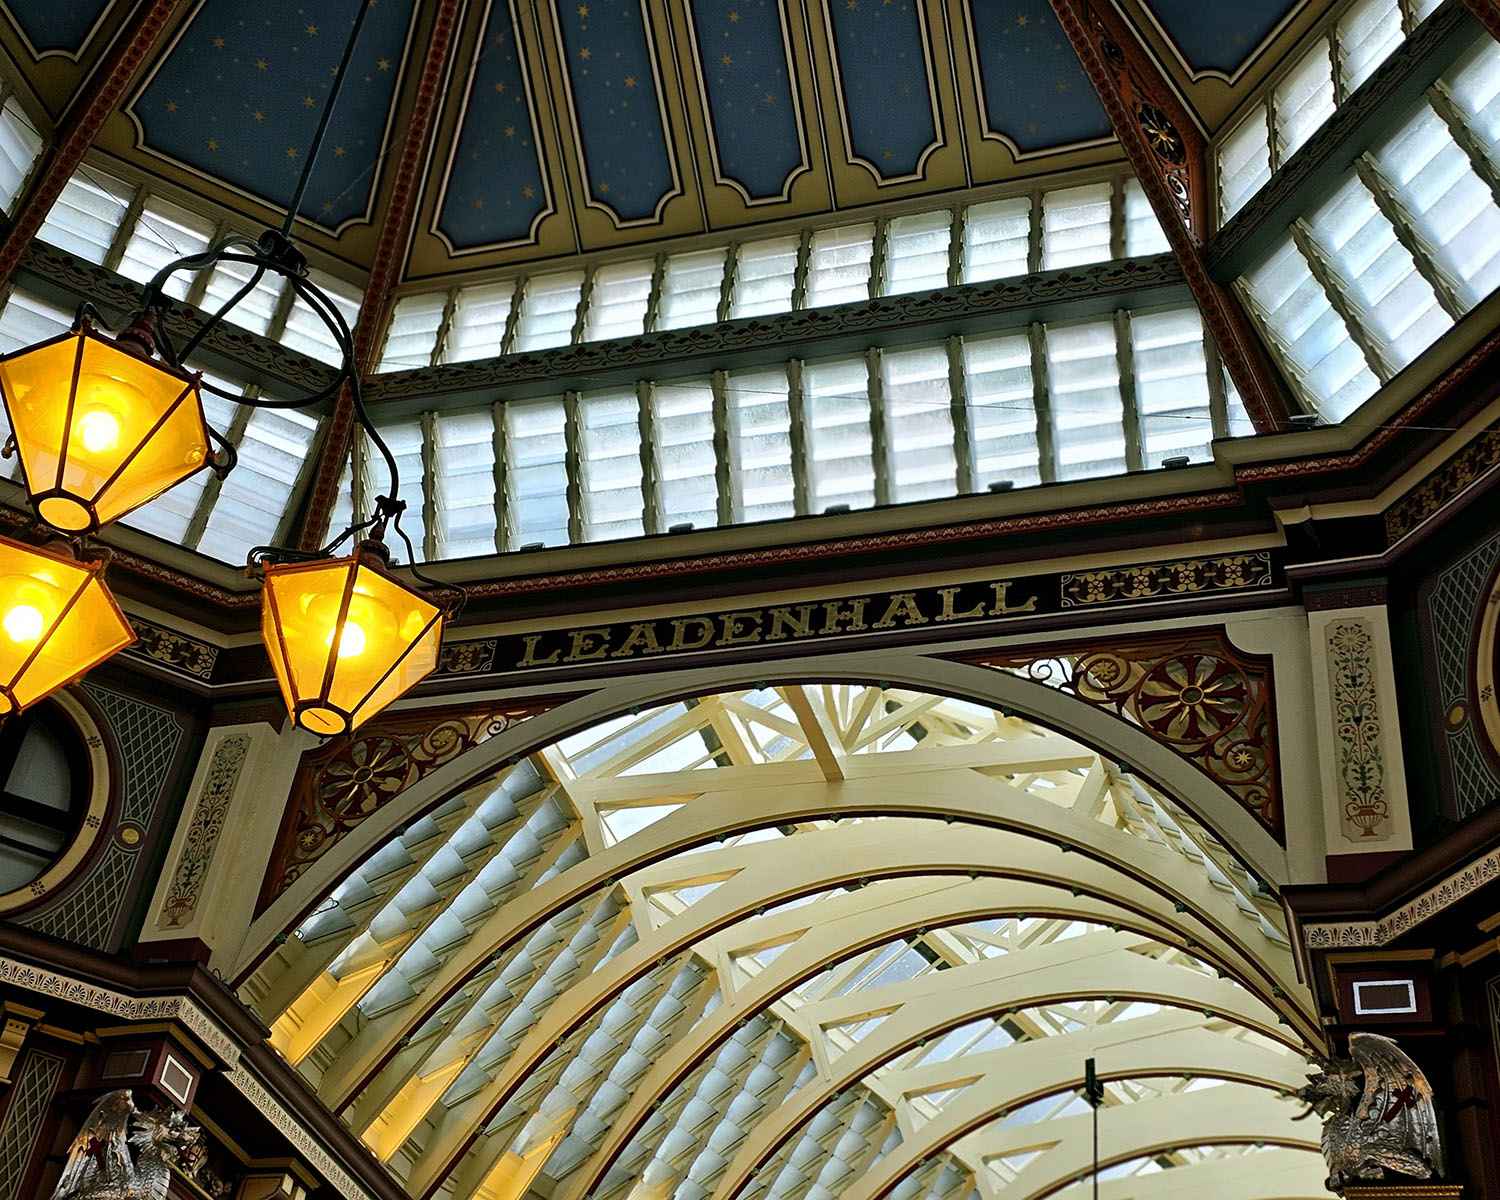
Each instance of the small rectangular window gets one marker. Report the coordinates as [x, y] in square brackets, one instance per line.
[683, 412]
[1083, 377]
[480, 314]
[919, 421]
[549, 310]
[255, 311]
[28, 318]
[405, 440]
[1303, 100]
[916, 252]
[691, 286]
[1473, 84]
[997, 239]
[162, 233]
[20, 147]
[1002, 410]
[1075, 226]
[838, 270]
[253, 500]
[618, 300]
[760, 469]
[765, 273]
[536, 473]
[413, 331]
[307, 333]
[87, 214]
[610, 450]
[841, 463]
[1143, 232]
[1171, 384]
[1367, 34]
[464, 503]
[1244, 162]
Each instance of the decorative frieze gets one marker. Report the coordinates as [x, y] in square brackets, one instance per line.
[1358, 737]
[205, 826]
[1335, 935]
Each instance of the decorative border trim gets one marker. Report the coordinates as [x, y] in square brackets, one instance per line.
[274, 1111]
[1474, 463]
[1461, 883]
[179, 653]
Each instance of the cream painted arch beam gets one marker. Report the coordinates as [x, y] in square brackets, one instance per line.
[930, 792]
[1279, 1173]
[1055, 709]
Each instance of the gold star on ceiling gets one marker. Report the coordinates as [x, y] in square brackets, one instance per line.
[171, 106]
[218, 43]
[499, 85]
[291, 151]
[312, 31]
[769, 99]
[1023, 20]
[510, 131]
[630, 81]
[604, 188]
[212, 144]
[260, 64]
[528, 191]
[258, 115]
[338, 152]
[307, 102]
[585, 54]
[734, 16]
[852, 5]
[384, 64]
[479, 203]
[328, 206]
[726, 59]
[583, 12]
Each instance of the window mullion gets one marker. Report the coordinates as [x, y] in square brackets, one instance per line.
[429, 486]
[1135, 456]
[796, 400]
[282, 312]
[963, 426]
[1445, 288]
[573, 462]
[1347, 310]
[124, 231]
[1117, 218]
[1034, 236]
[1218, 397]
[193, 534]
[505, 532]
[653, 296]
[1458, 128]
[513, 316]
[198, 288]
[880, 430]
[956, 245]
[1271, 146]
[585, 301]
[726, 285]
[445, 328]
[1275, 345]
[1046, 433]
[1336, 73]
[651, 506]
[801, 271]
[726, 448]
[880, 252]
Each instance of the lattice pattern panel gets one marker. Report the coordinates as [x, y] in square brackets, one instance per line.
[31, 1093]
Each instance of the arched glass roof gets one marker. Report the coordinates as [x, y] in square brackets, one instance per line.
[804, 942]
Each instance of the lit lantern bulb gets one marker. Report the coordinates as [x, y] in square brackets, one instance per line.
[352, 643]
[99, 431]
[23, 623]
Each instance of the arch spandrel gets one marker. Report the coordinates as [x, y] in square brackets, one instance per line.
[552, 982]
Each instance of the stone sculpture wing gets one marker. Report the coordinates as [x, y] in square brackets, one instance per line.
[101, 1147]
[1397, 1097]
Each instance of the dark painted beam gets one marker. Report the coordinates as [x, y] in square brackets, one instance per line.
[98, 98]
[1488, 12]
[1170, 157]
[385, 270]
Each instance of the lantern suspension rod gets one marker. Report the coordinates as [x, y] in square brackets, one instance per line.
[317, 141]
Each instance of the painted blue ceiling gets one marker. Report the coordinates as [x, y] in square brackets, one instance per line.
[1219, 36]
[239, 94]
[55, 25]
[1035, 90]
[885, 84]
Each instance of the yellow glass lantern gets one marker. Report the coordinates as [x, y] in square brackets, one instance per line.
[345, 637]
[57, 620]
[101, 426]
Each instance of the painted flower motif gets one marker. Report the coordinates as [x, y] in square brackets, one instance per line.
[1191, 698]
[364, 778]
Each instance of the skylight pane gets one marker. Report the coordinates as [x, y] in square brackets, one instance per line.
[1324, 364]
[1075, 226]
[610, 450]
[1303, 101]
[919, 418]
[841, 465]
[549, 309]
[997, 239]
[1002, 409]
[691, 287]
[20, 146]
[1240, 424]
[412, 333]
[405, 440]
[1083, 378]
[617, 301]
[1394, 303]
[1244, 162]
[764, 276]
[684, 424]
[86, 214]
[254, 312]
[536, 474]
[255, 495]
[480, 314]
[1450, 210]
[28, 318]
[916, 252]
[1422, 9]
[164, 232]
[1473, 84]
[838, 269]
[1171, 384]
[465, 495]
[760, 469]
[307, 333]
[1143, 232]
[1367, 34]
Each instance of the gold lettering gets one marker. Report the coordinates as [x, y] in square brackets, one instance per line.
[734, 635]
[581, 651]
[948, 613]
[1003, 606]
[529, 659]
[679, 640]
[642, 635]
[784, 624]
[901, 602]
[834, 614]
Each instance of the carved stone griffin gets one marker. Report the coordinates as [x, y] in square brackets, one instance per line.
[1378, 1114]
[101, 1165]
